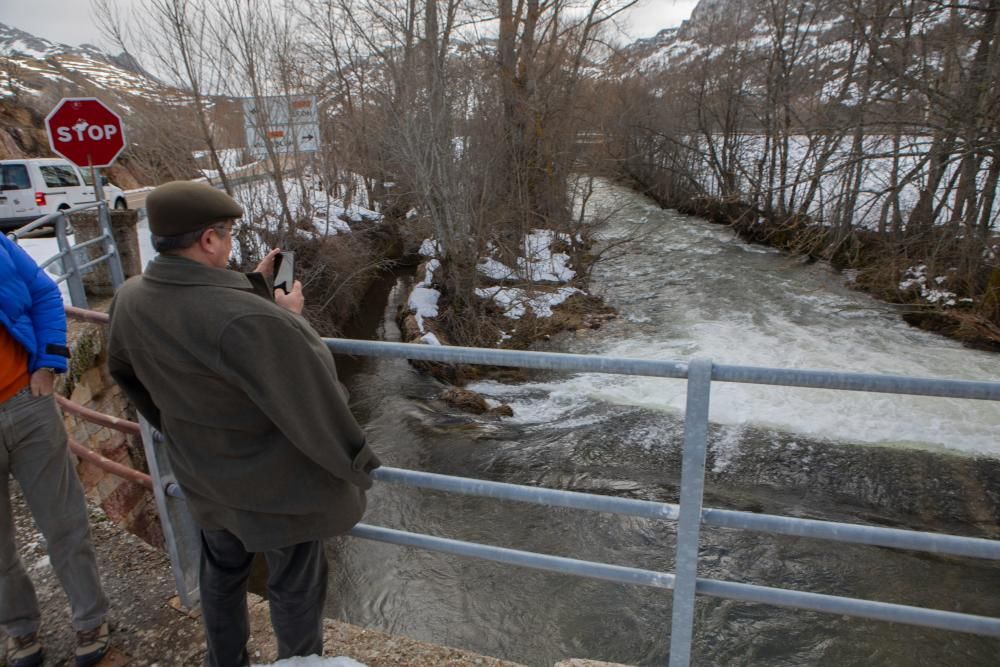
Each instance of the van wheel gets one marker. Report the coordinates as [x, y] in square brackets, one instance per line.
[120, 205]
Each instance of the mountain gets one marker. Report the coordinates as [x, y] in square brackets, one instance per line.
[36, 73]
[821, 45]
[33, 66]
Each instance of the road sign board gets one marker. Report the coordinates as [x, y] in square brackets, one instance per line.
[290, 123]
[85, 131]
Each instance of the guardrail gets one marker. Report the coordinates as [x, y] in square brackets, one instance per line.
[73, 263]
[689, 513]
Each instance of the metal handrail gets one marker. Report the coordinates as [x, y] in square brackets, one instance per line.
[99, 418]
[107, 465]
[49, 219]
[878, 536]
[815, 379]
[689, 513]
[73, 271]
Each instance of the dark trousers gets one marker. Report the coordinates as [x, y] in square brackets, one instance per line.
[296, 591]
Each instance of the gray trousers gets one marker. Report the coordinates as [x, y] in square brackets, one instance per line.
[34, 450]
[296, 591]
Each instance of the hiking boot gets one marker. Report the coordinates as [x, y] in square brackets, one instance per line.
[92, 645]
[24, 651]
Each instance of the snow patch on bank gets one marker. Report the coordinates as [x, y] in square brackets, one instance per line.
[916, 277]
[328, 215]
[424, 302]
[516, 303]
[431, 248]
[538, 263]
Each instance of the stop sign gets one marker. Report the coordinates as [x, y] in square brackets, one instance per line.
[85, 132]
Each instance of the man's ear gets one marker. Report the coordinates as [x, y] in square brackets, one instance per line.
[209, 240]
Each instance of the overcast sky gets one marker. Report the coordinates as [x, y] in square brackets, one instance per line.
[69, 21]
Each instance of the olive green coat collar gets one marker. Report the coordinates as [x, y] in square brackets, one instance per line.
[177, 270]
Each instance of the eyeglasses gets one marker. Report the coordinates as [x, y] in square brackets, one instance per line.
[224, 228]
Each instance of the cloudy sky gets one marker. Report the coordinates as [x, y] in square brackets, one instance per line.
[70, 22]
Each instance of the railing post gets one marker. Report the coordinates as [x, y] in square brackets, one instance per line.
[182, 536]
[74, 281]
[111, 246]
[699, 384]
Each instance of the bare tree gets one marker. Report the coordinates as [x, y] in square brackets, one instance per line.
[176, 35]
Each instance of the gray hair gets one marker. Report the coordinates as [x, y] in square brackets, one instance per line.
[169, 244]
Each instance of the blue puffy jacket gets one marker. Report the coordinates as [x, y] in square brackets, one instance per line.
[31, 308]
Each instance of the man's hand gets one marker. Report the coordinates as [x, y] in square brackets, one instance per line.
[266, 266]
[41, 382]
[293, 301]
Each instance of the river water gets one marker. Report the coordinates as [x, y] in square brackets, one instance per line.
[686, 288]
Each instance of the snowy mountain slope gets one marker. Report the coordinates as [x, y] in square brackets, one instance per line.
[33, 66]
[819, 39]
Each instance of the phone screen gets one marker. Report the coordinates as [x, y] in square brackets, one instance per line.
[284, 265]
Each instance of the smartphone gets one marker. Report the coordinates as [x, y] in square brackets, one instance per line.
[284, 270]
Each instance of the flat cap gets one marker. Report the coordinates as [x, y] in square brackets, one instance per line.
[180, 207]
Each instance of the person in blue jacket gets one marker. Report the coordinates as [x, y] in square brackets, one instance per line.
[35, 452]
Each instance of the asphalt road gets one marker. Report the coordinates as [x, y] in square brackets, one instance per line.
[136, 198]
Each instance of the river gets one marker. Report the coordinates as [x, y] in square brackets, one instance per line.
[685, 288]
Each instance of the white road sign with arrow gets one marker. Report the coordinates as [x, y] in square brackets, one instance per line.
[291, 123]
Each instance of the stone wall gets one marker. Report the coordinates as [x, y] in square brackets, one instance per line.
[97, 282]
[88, 383]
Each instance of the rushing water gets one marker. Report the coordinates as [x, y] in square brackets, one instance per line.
[685, 288]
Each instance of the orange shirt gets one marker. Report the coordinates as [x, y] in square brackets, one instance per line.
[13, 366]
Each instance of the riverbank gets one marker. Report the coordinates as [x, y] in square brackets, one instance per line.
[151, 629]
[520, 302]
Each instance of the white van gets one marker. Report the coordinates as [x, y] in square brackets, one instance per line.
[31, 188]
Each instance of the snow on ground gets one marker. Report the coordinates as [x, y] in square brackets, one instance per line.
[423, 301]
[537, 264]
[495, 270]
[432, 266]
[329, 215]
[229, 157]
[515, 303]
[430, 248]
[41, 249]
[315, 661]
[430, 339]
[876, 179]
[916, 276]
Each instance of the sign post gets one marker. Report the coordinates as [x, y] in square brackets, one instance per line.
[90, 135]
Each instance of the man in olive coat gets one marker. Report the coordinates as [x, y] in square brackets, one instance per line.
[258, 431]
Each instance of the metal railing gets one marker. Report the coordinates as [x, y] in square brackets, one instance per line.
[688, 513]
[72, 262]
